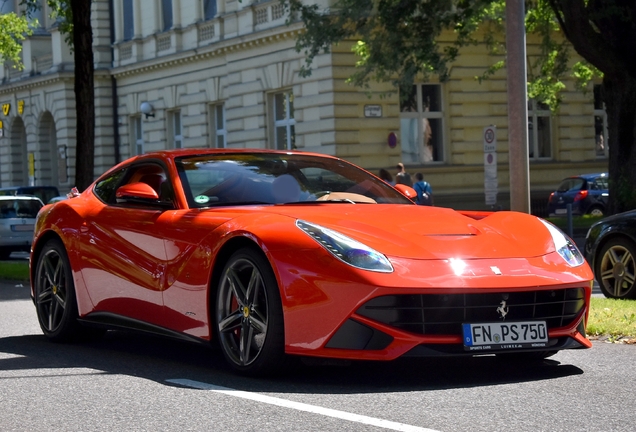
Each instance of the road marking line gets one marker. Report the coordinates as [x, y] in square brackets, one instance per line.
[301, 406]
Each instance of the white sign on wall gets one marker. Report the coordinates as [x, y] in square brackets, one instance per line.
[490, 164]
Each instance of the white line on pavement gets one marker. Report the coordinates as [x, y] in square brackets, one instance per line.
[301, 406]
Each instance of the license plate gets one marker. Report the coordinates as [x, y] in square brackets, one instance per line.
[501, 335]
[561, 211]
[28, 227]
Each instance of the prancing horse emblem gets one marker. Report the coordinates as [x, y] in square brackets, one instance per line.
[502, 309]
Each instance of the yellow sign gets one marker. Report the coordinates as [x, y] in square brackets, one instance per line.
[20, 107]
[32, 164]
[6, 108]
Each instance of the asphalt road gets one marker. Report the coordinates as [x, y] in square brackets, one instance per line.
[136, 382]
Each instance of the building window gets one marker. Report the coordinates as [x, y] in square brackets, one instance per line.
[209, 9]
[600, 123]
[137, 134]
[129, 22]
[217, 126]
[175, 129]
[166, 14]
[539, 131]
[284, 122]
[422, 125]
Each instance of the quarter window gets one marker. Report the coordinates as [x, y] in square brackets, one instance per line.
[539, 132]
[422, 124]
[284, 122]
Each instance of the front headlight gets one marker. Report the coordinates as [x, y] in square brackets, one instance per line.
[564, 246]
[347, 249]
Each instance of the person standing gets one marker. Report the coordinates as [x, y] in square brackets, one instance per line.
[424, 191]
[402, 177]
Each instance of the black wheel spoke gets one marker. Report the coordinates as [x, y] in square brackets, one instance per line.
[231, 322]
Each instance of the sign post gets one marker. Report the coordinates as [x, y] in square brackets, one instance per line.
[490, 165]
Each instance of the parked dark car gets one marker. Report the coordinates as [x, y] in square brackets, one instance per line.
[17, 221]
[588, 194]
[610, 249]
[45, 193]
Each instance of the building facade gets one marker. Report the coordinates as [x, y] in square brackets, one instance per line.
[224, 73]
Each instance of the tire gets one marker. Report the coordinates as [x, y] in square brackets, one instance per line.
[249, 315]
[615, 268]
[54, 290]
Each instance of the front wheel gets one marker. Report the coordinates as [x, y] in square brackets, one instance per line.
[54, 291]
[615, 269]
[249, 316]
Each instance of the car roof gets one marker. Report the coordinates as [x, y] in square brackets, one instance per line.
[589, 176]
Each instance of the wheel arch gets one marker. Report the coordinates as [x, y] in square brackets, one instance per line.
[37, 249]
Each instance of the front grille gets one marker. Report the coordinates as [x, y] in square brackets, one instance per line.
[443, 314]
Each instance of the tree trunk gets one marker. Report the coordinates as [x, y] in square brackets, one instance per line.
[619, 93]
[84, 93]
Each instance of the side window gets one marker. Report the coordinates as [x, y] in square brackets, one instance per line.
[539, 131]
[154, 175]
[422, 125]
[105, 189]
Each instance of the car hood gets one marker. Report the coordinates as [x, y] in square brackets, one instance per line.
[421, 232]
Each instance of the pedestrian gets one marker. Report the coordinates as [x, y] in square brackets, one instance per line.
[402, 177]
[386, 176]
[424, 191]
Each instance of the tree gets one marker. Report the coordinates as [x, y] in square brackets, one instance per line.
[13, 30]
[399, 41]
[74, 17]
[603, 32]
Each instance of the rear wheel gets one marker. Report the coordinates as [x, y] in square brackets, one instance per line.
[249, 316]
[615, 268]
[54, 291]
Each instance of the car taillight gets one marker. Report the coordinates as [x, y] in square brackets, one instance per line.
[580, 195]
[551, 196]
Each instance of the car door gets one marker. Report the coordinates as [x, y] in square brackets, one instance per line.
[124, 257]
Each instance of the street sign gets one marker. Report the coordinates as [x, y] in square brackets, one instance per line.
[490, 165]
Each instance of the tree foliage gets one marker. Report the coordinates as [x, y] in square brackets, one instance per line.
[13, 30]
[400, 41]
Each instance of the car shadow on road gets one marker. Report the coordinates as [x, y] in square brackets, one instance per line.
[159, 359]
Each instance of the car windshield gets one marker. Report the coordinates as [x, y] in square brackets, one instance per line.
[16, 208]
[269, 178]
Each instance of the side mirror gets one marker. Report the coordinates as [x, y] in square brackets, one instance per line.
[407, 191]
[136, 191]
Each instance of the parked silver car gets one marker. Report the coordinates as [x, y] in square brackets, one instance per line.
[17, 220]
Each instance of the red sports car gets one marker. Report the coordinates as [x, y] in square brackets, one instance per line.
[278, 254]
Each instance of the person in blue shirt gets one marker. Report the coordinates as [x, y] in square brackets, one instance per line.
[424, 190]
